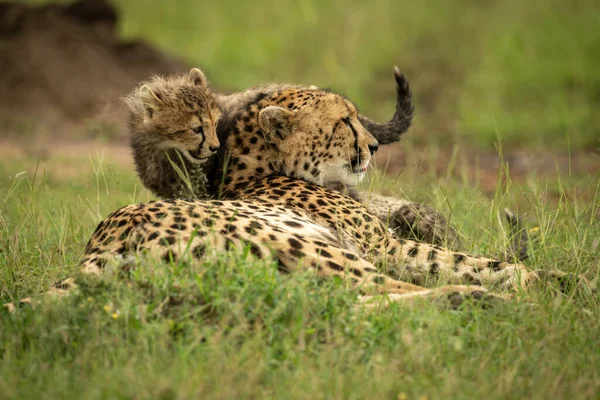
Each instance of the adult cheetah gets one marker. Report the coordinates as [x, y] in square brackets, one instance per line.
[278, 151]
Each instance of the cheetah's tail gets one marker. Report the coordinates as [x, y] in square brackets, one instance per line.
[393, 130]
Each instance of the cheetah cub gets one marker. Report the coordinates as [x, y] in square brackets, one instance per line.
[173, 133]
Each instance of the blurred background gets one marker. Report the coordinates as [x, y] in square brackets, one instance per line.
[508, 80]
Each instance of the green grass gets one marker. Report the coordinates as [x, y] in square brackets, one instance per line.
[234, 327]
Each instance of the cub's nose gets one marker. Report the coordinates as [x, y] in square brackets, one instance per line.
[373, 148]
[213, 148]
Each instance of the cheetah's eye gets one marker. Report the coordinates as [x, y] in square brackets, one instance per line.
[198, 129]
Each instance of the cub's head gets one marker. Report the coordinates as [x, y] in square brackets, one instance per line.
[174, 112]
[318, 136]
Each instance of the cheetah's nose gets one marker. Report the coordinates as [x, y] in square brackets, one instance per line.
[373, 148]
[213, 148]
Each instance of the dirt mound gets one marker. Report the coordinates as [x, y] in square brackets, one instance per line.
[64, 68]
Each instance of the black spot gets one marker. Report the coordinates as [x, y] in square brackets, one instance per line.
[434, 268]
[208, 222]
[379, 280]
[253, 248]
[229, 244]
[324, 253]
[168, 240]
[282, 268]
[179, 227]
[198, 251]
[413, 252]
[356, 271]
[495, 265]
[230, 228]
[471, 279]
[432, 255]
[335, 266]
[458, 258]
[293, 224]
[297, 253]
[169, 256]
[125, 233]
[295, 243]
[350, 256]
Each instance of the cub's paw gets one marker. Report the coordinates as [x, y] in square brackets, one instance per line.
[417, 221]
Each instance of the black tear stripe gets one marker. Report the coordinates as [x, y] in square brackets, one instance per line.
[203, 135]
[333, 132]
[357, 160]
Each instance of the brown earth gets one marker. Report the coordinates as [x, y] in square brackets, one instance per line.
[64, 68]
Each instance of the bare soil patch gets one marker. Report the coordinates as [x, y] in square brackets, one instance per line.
[64, 68]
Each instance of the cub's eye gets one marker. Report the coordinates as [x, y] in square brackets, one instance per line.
[198, 129]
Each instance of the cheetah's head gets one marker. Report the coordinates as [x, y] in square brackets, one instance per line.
[176, 112]
[318, 137]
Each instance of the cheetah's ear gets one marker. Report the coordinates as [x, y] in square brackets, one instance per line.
[197, 77]
[151, 100]
[275, 122]
[150, 96]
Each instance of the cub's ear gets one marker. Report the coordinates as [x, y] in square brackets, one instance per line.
[275, 122]
[150, 96]
[151, 100]
[197, 77]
